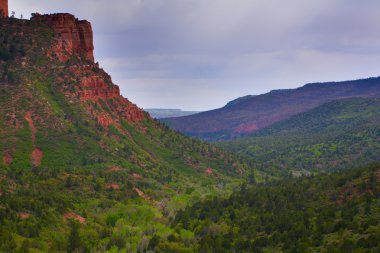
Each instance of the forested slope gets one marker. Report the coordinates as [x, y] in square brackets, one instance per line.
[82, 168]
[325, 213]
[337, 135]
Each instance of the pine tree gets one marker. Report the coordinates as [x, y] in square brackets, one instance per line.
[74, 239]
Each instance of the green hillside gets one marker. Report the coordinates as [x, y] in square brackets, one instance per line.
[336, 135]
[325, 213]
[82, 169]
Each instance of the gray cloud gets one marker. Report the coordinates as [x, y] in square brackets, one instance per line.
[197, 54]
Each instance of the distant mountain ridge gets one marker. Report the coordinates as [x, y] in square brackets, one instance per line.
[337, 135]
[251, 113]
[160, 113]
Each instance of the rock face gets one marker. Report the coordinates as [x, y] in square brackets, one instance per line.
[4, 8]
[95, 87]
[98, 88]
[73, 37]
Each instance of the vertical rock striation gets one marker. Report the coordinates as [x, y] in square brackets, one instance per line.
[73, 37]
[4, 8]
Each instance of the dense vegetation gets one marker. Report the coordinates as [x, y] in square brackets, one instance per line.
[69, 183]
[93, 187]
[336, 135]
[325, 213]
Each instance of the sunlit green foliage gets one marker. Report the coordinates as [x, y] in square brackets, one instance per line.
[327, 213]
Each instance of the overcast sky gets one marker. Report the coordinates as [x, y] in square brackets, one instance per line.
[200, 54]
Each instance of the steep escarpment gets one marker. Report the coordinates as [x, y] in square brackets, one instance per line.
[4, 8]
[96, 88]
[52, 88]
[73, 37]
[74, 150]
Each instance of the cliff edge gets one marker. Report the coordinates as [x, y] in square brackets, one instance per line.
[73, 37]
[4, 8]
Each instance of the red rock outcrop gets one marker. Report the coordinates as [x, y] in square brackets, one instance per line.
[209, 171]
[36, 157]
[29, 119]
[7, 159]
[74, 216]
[95, 87]
[141, 194]
[113, 186]
[73, 37]
[24, 216]
[4, 8]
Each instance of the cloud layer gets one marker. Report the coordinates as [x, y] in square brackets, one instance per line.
[197, 54]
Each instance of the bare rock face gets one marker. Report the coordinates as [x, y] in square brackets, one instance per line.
[73, 37]
[95, 87]
[4, 8]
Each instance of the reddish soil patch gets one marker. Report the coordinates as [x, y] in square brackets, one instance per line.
[113, 186]
[28, 118]
[36, 157]
[141, 194]
[209, 171]
[239, 170]
[246, 128]
[104, 120]
[74, 216]
[7, 159]
[114, 169]
[136, 176]
[24, 216]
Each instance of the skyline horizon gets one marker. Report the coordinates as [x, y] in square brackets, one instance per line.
[214, 52]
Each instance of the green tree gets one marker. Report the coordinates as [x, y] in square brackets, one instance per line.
[74, 239]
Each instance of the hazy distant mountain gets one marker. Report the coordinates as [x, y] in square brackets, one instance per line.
[251, 113]
[168, 113]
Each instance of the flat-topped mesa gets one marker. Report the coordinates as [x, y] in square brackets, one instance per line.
[4, 8]
[74, 37]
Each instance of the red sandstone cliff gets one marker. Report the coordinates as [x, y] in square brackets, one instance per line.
[97, 87]
[4, 8]
[73, 37]
[85, 81]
